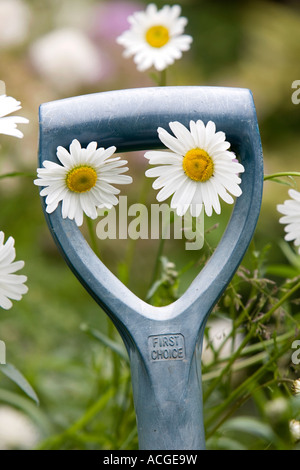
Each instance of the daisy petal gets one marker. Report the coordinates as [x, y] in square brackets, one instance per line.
[11, 285]
[291, 211]
[8, 125]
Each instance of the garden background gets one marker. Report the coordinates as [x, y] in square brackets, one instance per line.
[53, 336]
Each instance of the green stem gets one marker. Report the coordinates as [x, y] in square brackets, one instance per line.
[130, 253]
[28, 407]
[246, 340]
[246, 385]
[157, 260]
[163, 78]
[160, 78]
[132, 434]
[243, 400]
[58, 440]
[17, 173]
[159, 253]
[280, 174]
[244, 363]
[92, 235]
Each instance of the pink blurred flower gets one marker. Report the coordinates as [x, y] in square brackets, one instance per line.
[110, 19]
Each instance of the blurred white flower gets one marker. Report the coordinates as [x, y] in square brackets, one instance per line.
[291, 217]
[67, 59]
[296, 387]
[83, 182]
[17, 431]
[219, 339]
[14, 23]
[11, 285]
[156, 37]
[8, 124]
[294, 426]
[197, 169]
[2, 87]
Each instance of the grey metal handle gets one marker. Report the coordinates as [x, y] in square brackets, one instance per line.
[167, 390]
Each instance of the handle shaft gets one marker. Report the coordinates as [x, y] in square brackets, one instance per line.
[168, 396]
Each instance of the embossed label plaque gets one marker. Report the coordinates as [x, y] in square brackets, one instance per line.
[167, 347]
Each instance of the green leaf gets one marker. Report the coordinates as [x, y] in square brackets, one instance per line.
[153, 289]
[286, 183]
[15, 375]
[123, 273]
[282, 270]
[290, 254]
[251, 426]
[56, 441]
[29, 408]
[17, 173]
[113, 345]
[224, 443]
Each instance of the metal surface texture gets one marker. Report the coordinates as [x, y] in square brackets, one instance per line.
[166, 385]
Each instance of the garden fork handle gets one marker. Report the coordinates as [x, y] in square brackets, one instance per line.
[168, 398]
[163, 343]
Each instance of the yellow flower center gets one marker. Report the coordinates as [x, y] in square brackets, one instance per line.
[157, 36]
[198, 165]
[81, 179]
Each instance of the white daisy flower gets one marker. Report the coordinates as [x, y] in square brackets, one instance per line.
[8, 124]
[67, 59]
[294, 426]
[11, 285]
[156, 37]
[296, 387]
[15, 18]
[197, 170]
[83, 182]
[291, 217]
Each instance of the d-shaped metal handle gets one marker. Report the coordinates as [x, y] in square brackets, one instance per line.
[163, 343]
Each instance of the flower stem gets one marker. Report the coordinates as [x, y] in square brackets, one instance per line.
[280, 174]
[157, 260]
[248, 384]
[56, 441]
[246, 340]
[127, 264]
[159, 253]
[163, 78]
[16, 173]
[160, 78]
[93, 240]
